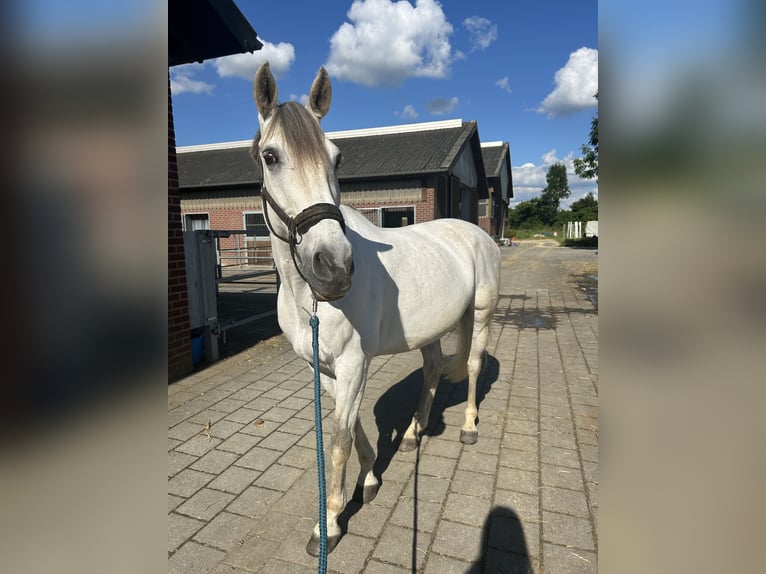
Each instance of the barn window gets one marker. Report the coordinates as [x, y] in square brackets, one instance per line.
[398, 216]
[196, 221]
[483, 208]
[255, 225]
[257, 239]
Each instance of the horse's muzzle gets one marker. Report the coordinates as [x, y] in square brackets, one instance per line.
[330, 276]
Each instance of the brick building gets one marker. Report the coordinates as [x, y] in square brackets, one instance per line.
[497, 165]
[197, 30]
[395, 175]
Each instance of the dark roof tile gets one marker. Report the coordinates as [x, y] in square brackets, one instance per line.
[364, 156]
[493, 158]
[221, 167]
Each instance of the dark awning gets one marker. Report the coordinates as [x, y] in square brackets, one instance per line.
[199, 30]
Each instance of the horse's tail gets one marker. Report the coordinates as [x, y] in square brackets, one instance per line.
[455, 367]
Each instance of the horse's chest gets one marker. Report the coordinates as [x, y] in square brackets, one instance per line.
[294, 323]
[299, 337]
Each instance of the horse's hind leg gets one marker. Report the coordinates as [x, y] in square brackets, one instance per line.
[432, 372]
[469, 433]
[367, 484]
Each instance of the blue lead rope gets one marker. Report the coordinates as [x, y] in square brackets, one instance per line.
[322, 566]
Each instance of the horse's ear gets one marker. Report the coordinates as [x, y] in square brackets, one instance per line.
[265, 91]
[320, 95]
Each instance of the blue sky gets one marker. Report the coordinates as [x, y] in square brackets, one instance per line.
[525, 71]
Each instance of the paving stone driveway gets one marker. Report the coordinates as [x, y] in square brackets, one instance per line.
[242, 494]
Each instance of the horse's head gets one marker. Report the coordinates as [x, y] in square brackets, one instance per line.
[300, 183]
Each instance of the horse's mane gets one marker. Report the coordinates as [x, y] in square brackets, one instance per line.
[301, 132]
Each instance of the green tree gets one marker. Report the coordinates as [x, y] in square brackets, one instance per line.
[585, 209]
[587, 166]
[542, 211]
[557, 188]
[524, 215]
[563, 217]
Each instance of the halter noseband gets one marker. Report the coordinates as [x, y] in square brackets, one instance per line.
[297, 226]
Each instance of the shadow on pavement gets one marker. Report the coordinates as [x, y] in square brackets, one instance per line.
[530, 318]
[236, 306]
[588, 283]
[503, 545]
[393, 414]
[395, 408]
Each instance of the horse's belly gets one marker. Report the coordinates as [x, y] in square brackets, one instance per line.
[415, 326]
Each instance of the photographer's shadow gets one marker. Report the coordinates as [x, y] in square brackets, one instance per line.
[503, 545]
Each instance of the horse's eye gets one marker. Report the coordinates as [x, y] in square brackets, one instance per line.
[269, 158]
[338, 160]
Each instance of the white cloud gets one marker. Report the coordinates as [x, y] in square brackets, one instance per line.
[549, 158]
[387, 42]
[529, 179]
[303, 98]
[181, 81]
[504, 84]
[280, 57]
[441, 106]
[483, 32]
[576, 85]
[408, 112]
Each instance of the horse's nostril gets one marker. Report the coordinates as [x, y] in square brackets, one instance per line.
[321, 265]
[328, 269]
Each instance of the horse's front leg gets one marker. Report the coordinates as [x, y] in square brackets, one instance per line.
[349, 386]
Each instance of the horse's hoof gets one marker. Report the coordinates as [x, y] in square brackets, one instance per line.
[408, 444]
[365, 494]
[469, 437]
[313, 546]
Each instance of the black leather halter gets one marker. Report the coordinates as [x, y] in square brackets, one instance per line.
[297, 226]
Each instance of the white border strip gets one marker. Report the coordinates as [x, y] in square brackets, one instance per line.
[401, 129]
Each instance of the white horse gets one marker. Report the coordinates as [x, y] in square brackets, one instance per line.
[379, 291]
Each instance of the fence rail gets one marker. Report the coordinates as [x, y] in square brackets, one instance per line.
[205, 272]
[245, 252]
[578, 230]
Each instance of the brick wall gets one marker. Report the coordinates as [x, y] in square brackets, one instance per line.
[231, 219]
[487, 223]
[179, 340]
[227, 219]
[429, 206]
[425, 210]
